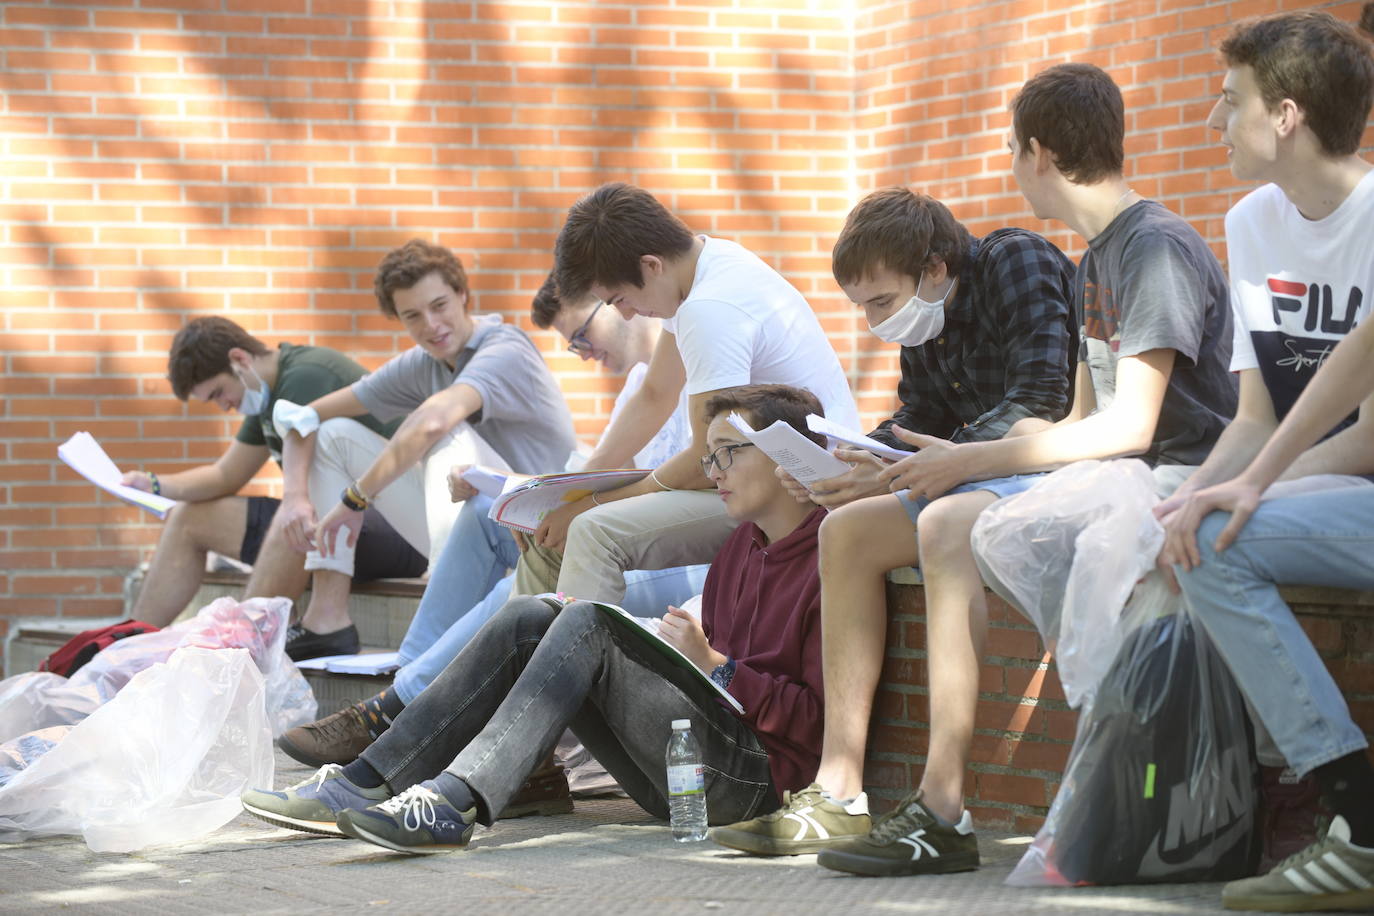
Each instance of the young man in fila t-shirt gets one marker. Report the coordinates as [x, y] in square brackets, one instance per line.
[1298, 90]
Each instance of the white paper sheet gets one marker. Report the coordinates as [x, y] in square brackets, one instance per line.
[838, 433]
[85, 456]
[372, 663]
[487, 482]
[806, 461]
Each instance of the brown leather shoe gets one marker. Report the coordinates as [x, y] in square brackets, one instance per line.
[544, 793]
[339, 738]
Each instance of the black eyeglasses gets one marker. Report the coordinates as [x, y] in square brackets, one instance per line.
[722, 457]
[578, 342]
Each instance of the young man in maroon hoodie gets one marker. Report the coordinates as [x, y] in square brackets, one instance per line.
[539, 667]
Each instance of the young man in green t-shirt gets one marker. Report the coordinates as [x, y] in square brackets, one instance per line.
[214, 360]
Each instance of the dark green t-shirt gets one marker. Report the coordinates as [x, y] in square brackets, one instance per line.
[304, 374]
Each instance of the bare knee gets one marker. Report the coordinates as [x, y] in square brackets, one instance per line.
[946, 525]
[210, 525]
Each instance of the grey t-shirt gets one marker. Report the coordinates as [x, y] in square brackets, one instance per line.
[523, 417]
[1150, 282]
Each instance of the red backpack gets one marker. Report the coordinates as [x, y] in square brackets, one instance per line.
[82, 647]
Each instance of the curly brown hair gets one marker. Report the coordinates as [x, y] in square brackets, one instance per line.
[411, 263]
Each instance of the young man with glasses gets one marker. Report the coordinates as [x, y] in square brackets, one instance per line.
[539, 667]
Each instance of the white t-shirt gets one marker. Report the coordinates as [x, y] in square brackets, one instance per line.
[672, 437]
[743, 324]
[1297, 285]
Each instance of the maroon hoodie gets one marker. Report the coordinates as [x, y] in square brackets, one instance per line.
[762, 607]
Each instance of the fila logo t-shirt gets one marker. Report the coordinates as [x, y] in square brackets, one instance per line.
[1298, 286]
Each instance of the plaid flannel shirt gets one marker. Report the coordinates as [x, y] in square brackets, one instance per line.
[1007, 349]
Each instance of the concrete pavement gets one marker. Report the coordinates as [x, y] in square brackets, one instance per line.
[605, 857]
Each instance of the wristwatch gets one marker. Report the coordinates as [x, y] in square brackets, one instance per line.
[722, 674]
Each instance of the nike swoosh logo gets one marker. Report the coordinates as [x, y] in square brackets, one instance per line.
[1152, 866]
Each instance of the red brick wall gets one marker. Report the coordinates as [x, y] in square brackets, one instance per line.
[256, 158]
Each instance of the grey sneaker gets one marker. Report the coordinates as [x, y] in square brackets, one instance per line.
[808, 821]
[313, 804]
[907, 841]
[1331, 874]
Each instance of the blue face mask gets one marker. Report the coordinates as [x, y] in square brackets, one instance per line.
[254, 399]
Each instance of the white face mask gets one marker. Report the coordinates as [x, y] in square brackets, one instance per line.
[254, 399]
[916, 322]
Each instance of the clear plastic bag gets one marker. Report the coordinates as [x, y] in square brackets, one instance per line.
[1161, 784]
[29, 702]
[163, 762]
[1068, 552]
[40, 699]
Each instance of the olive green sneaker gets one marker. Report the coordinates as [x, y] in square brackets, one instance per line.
[1331, 874]
[314, 803]
[907, 841]
[808, 821]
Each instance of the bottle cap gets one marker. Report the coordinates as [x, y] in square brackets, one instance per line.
[682, 723]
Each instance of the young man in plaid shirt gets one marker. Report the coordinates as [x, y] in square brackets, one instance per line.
[987, 343]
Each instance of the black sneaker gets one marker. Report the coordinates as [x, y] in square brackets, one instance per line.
[907, 841]
[302, 643]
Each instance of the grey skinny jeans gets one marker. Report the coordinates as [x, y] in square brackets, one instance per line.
[531, 672]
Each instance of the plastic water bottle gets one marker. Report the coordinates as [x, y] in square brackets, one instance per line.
[686, 785]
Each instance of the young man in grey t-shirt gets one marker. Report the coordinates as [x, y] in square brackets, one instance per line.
[476, 390]
[1151, 381]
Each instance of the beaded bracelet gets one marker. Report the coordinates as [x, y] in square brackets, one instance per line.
[157, 487]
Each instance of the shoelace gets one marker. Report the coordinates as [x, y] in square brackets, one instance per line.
[322, 775]
[339, 724]
[417, 802]
[791, 799]
[901, 820]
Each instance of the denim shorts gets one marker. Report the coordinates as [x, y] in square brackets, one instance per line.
[998, 486]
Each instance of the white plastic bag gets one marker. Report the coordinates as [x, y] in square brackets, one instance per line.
[1068, 552]
[39, 700]
[163, 762]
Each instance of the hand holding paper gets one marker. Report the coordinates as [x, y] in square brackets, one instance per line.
[85, 456]
[806, 461]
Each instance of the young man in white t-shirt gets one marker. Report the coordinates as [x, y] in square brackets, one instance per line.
[1294, 102]
[728, 320]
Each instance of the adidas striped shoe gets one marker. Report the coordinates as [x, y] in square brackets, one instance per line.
[808, 821]
[907, 841]
[1331, 874]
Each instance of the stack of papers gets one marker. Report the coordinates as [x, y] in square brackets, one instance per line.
[524, 505]
[374, 663]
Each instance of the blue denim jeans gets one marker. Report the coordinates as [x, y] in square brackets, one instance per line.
[468, 585]
[475, 557]
[531, 672]
[1324, 538]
